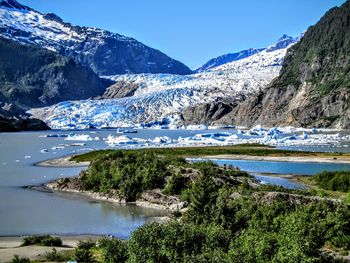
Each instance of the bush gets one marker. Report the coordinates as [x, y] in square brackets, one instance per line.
[18, 259]
[113, 250]
[335, 181]
[55, 256]
[178, 242]
[83, 252]
[176, 184]
[45, 240]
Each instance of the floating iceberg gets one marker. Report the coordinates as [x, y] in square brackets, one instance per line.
[78, 137]
[114, 141]
[162, 140]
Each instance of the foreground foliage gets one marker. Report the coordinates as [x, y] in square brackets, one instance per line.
[230, 218]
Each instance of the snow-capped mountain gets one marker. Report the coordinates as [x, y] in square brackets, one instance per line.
[227, 58]
[282, 42]
[158, 96]
[105, 52]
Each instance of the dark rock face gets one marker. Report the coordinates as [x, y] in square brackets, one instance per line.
[120, 90]
[207, 113]
[35, 77]
[13, 4]
[19, 124]
[106, 53]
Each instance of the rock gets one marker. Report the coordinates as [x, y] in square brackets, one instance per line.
[19, 124]
[120, 90]
[210, 113]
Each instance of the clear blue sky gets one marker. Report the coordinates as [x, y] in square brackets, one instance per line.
[193, 31]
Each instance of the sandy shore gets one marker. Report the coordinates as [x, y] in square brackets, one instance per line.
[10, 246]
[297, 159]
[62, 162]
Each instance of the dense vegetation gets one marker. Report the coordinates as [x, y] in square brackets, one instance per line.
[324, 50]
[229, 218]
[229, 224]
[131, 172]
[128, 173]
[335, 181]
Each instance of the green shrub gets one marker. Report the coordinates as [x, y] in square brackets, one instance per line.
[55, 256]
[83, 252]
[18, 259]
[335, 181]
[176, 183]
[44, 240]
[113, 250]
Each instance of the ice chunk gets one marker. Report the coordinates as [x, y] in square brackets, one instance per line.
[78, 137]
[162, 140]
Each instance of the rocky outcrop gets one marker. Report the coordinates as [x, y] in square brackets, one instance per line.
[19, 124]
[210, 113]
[154, 198]
[120, 90]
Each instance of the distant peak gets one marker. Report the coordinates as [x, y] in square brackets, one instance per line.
[13, 4]
[283, 42]
[53, 17]
[284, 37]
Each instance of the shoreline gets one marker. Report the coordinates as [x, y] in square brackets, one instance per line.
[65, 162]
[141, 202]
[291, 159]
[61, 162]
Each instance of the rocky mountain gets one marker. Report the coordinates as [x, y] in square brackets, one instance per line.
[282, 42]
[153, 97]
[313, 88]
[227, 58]
[106, 53]
[32, 77]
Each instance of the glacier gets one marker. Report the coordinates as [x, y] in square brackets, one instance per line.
[160, 98]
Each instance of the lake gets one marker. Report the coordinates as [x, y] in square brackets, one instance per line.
[25, 211]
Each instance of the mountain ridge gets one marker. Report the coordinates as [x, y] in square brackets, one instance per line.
[284, 41]
[106, 53]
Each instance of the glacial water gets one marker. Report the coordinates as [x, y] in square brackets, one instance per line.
[25, 211]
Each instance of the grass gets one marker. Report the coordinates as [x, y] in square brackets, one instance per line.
[242, 149]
